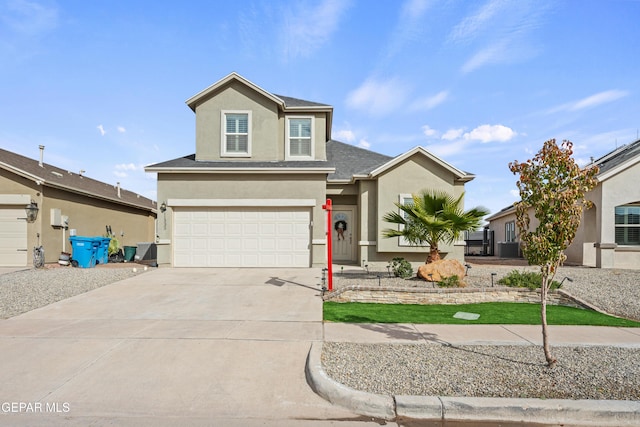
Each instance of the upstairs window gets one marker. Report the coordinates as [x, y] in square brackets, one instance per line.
[236, 134]
[300, 138]
[405, 200]
[628, 225]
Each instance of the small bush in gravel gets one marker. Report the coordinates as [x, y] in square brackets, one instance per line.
[401, 267]
[525, 279]
[451, 282]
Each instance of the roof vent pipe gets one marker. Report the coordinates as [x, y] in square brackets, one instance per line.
[118, 188]
[41, 156]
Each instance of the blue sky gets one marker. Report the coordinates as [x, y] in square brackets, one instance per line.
[102, 84]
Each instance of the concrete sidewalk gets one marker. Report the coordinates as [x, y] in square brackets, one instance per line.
[480, 334]
[534, 411]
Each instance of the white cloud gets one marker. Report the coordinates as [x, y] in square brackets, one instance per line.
[476, 23]
[490, 133]
[452, 134]
[128, 167]
[492, 54]
[29, 17]
[308, 28]
[101, 130]
[429, 132]
[515, 193]
[121, 129]
[590, 101]
[378, 97]
[409, 27]
[431, 101]
[120, 174]
[598, 99]
[364, 144]
[447, 149]
[346, 135]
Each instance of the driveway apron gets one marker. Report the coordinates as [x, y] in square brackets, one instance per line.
[210, 346]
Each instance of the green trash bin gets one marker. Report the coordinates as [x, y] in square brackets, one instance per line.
[129, 253]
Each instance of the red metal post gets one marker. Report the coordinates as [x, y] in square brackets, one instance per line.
[329, 208]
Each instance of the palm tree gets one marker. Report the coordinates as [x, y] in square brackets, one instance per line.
[433, 217]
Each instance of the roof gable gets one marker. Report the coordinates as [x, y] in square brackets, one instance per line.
[53, 176]
[459, 175]
[284, 102]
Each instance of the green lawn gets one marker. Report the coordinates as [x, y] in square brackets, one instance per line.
[490, 313]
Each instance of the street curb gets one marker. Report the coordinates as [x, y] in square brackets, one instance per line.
[373, 405]
[602, 413]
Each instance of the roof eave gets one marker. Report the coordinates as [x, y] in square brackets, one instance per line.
[237, 170]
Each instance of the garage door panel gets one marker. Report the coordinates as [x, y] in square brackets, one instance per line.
[242, 237]
[13, 237]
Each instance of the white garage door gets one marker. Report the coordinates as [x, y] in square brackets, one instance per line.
[13, 237]
[241, 237]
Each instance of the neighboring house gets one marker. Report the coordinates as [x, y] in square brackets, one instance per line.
[65, 201]
[252, 195]
[609, 233]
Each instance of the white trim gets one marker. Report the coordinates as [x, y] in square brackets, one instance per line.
[246, 169]
[460, 175]
[241, 202]
[287, 152]
[15, 199]
[191, 102]
[223, 133]
[367, 243]
[319, 241]
[401, 240]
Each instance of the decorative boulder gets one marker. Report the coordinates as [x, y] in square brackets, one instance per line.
[441, 269]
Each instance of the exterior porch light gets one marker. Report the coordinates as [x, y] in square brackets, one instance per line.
[32, 211]
[163, 207]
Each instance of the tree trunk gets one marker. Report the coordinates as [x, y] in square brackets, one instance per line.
[551, 361]
[434, 254]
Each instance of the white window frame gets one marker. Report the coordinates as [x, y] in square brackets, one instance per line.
[287, 153]
[625, 226]
[510, 231]
[402, 200]
[223, 134]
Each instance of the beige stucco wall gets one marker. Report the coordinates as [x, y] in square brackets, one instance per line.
[594, 244]
[268, 125]
[243, 186]
[87, 215]
[415, 174]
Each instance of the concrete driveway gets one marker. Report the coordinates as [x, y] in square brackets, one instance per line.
[170, 347]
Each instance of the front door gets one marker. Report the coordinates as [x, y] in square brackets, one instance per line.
[343, 234]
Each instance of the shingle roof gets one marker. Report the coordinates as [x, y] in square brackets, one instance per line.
[618, 156]
[56, 177]
[190, 162]
[350, 160]
[295, 102]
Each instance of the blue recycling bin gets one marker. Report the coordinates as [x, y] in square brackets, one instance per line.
[84, 250]
[102, 251]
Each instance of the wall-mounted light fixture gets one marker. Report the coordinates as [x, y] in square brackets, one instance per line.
[32, 211]
[163, 207]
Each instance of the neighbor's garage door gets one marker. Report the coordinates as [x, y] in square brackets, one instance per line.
[13, 237]
[241, 237]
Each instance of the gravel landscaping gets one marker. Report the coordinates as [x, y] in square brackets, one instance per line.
[585, 372]
[26, 290]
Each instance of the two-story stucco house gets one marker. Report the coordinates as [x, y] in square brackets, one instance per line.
[609, 233]
[252, 195]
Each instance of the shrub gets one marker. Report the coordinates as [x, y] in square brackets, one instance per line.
[525, 279]
[451, 282]
[401, 268]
